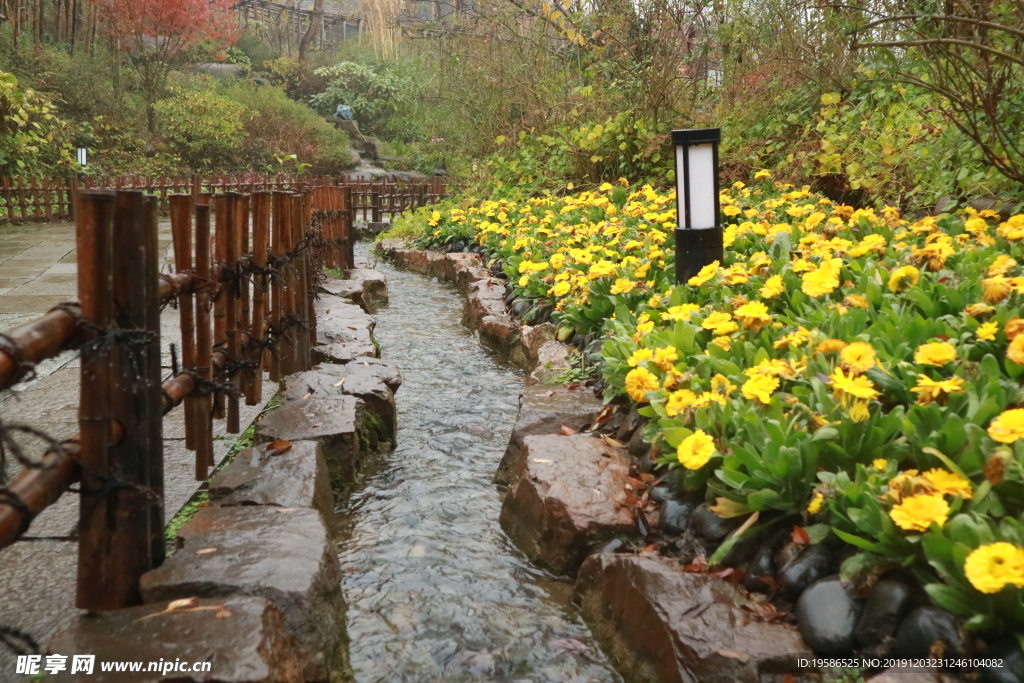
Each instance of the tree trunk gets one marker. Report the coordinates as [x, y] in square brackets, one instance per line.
[316, 20]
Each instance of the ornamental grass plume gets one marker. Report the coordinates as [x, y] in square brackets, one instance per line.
[992, 567]
[917, 513]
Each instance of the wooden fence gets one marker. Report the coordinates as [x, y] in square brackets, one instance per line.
[244, 293]
[51, 199]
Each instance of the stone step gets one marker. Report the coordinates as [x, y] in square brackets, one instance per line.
[545, 409]
[371, 380]
[242, 637]
[364, 287]
[663, 625]
[289, 476]
[282, 554]
[568, 499]
[334, 423]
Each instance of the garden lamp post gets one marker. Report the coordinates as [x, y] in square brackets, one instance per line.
[83, 156]
[698, 229]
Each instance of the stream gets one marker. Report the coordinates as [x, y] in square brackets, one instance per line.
[435, 590]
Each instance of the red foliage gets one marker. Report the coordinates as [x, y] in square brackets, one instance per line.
[166, 28]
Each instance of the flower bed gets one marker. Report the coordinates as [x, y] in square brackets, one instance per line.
[851, 372]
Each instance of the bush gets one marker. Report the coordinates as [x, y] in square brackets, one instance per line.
[203, 128]
[374, 93]
[276, 127]
[33, 140]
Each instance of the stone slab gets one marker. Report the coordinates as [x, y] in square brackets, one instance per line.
[282, 554]
[296, 476]
[483, 298]
[334, 423]
[552, 361]
[526, 348]
[663, 625]
[344, 331]
[243, 639]
[568, 499]
[499, 333]
[545, 409]
[369, 382]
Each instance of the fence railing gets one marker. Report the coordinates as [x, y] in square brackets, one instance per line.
[244, 290]
[52, 199]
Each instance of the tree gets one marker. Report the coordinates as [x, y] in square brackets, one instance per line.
[157, 34]
[316, 22]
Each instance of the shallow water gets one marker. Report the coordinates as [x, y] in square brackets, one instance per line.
[435, 590]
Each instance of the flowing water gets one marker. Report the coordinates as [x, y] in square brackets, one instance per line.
[435, 590]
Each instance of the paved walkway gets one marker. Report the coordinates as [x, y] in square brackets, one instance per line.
[37, 578]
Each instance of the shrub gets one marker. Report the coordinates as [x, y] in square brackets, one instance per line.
[203, 128]
[33, 140]
[374, 93]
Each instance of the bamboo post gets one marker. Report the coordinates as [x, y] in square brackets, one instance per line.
[181, 230]
[154, 391]
[277, 285]
[245, 316]
[260, 237]
[204, 344]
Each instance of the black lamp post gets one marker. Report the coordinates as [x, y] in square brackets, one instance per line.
[699, 228]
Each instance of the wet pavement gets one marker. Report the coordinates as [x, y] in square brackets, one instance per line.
[435, 590]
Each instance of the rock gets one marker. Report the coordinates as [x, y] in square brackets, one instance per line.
[374, 287]
[630, 424]
[334, 423]
[468, 275]
[762, 567]
[293, 478]
[545, 409]
[710, 526]
[946, 203]
[483, 298]
[1012, 668]
[637, 446]
[344, 331]
[350, 127]
[498, 333]
[243, 638]
[886, 604]
[674, 515]
[417, 260]
[659, 493]
[361, 379]
[926, 630]
[350, 290]
[569, 498]
[552, 362]
[661, 624]
[612, 546]
[531, 337]
[828, 617]
[447, 268]
[814, 563]
[1000, 206]
[282, 554]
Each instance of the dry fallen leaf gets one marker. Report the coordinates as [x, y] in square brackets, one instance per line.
[206, 551]
[308, 394]
[222, 613]
[540, 460]
[569, 431]
[612, 442]
[278, 447]
[181, 603]
[340, 382]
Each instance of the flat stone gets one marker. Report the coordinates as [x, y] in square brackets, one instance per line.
[545, 409]
[334, 423]
[350, 290]
[483, 298]
[296, 477]
[552, 361]
[344, 331]
[661, 624]
[527, 346]
[243, 638]
[370, 382]
[569, 498]
[466, 275]
[448, 267]
[282, 554]
[416, 260]
[374, 287]
[498, 332]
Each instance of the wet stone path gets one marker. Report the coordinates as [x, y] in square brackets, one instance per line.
[435, 590]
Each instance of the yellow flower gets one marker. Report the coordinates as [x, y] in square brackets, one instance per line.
[1014, 327]
[622, 285]
[830, 346]
[763, 173]
[666, 357]
[979, 310]
[678, 401]
[560, 289]
[948, 483]
[991, 567]
[720, 323]
[917, 513]
[1008, 427]
[705, 274]
[696, 450]
[1015, 351]
[638, 382]
[903, 277]
[753, 315]
[856, 300]
[996, 289]
[852, 387]
[819, 282]
[760, 387]
[1002, 265]
[987, 331]
[858, 357]
[858, 411]
[681, 312]
[772, 287]
[557, 261]
[814, 507]
[935, 353]
[880, 464]
[929, 390]
[639, 356]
